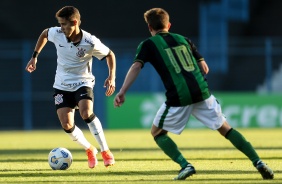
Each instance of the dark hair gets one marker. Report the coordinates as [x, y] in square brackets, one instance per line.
[69, 13]
[157, 18]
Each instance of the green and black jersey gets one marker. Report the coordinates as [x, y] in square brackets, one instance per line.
[175, 59]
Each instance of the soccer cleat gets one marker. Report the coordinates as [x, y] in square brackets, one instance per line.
[185, 172]
[92, 159]
[264, 170]
[108, 158]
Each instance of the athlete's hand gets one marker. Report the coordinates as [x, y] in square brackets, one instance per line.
[110, 84]
[31, 65]
[204, 67]
[119, 99]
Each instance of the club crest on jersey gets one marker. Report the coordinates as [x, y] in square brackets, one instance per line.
[80, 52]
[58, 99]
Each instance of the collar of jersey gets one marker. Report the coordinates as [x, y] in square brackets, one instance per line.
[159, 32]
[77, 43]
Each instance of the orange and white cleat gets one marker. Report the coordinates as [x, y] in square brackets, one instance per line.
[92, 159]
[108, 158]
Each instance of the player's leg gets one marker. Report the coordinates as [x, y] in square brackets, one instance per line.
[96, 130]
[66, 117]
[64, 104]
[168, 146]
[239, 141]
[86, 111]
[209, 113]
[164, 122]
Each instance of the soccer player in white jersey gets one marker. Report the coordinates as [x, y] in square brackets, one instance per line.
[74, 81]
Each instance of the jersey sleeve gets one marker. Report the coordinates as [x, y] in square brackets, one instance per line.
[142, 53]
[52, 32]
[100, 51]
[195, 51]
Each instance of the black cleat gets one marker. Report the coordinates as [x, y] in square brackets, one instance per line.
[265, 171]
[185, 172]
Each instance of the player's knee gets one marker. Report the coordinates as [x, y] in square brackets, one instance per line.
[69, 130]
[67, 125]
[90, 118]
[228, 132]
[155, 131]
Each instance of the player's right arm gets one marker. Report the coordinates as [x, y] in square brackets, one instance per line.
[41, 42]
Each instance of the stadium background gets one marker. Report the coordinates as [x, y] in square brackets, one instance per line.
[240, 40]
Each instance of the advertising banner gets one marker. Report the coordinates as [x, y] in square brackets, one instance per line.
[241, 110]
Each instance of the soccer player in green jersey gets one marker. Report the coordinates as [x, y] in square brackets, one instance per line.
[182, 69]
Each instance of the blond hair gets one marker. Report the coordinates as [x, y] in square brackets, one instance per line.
[157, 18]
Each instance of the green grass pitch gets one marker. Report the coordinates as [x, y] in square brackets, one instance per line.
[23, 157]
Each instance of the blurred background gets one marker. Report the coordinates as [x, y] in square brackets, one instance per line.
[240, 40]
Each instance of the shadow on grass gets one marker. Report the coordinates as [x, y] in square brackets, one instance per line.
[48, 173]
[137, 176]
[25, 152]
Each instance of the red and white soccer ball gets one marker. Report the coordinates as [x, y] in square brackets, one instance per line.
[60, 159]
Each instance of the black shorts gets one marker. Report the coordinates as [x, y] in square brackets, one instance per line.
[71, 99]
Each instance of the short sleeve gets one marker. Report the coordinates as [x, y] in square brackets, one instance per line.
[100, 50]
[51, 33]
[143, 52]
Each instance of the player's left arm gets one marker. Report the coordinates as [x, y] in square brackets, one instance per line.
[110, 81]
[130, 77]
[199, 58]
[203, 67]
[195, 51]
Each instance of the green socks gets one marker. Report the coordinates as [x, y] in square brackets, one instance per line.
[238, 140]
[170, 149]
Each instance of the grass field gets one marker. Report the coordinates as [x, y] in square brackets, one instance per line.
[23, 158]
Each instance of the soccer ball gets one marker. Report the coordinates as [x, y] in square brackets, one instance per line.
[60, 159]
